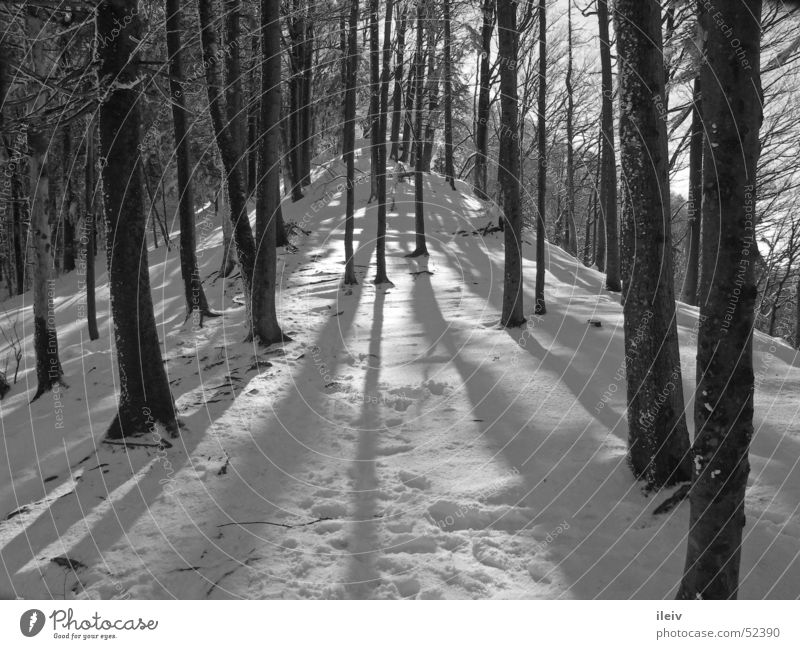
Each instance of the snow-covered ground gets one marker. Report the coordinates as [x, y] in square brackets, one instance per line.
[401, 446]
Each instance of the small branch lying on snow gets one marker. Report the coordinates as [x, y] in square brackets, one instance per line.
[286, 525]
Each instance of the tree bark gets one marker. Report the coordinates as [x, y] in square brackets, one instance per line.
[690, 282]
[479, 170]
[420, 248]
[397, 96]
[89, 237]
[192, 285]
[144, 398]
[45, 337]
[234, 102]
[570, 234]
[657, 435]
[541, 145]
[512, 314]
[380, 242]
[237, 199]
[723, 412]
[608, 248]
[266, 329]
[449, 170]
[351, 67]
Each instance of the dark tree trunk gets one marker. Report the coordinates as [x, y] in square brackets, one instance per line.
[406, 154]
[89, 237]
[608, 248]
[351, 67]
[380, 243]
[397, 96]
[237, 200]
[67, 203]
[541, 146]
[252, 112]
[297, 27]
[689, 294]
[657, 434]
[266, 329]
[192, 285]
[513, 314]
[570, 234]
[234, 103]
[420, 248]
[723, 412]
[144, 397]
[479, 170]
[306, 111]
[45, 338]
[449, 170]
[374, 117]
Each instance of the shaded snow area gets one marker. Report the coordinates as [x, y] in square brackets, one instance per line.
[401, 446]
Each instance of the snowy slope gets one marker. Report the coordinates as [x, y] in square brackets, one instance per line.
[402, 445]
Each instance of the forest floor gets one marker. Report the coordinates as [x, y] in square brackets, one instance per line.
[401, 446]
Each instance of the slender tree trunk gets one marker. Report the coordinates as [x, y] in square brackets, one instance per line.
[237, 122]
[144, 398]
[192, 285]
[397, 96]
[222, 209]
[570, 234]
[723, 411]
[657, 434]
[541, 146]
[695, 200]
[266, 329]
[433, 97]
[237, 199]
[306, 112]
[479, 170]
[513, 314]
[449, 170]
[67, 202]
[406, 154]
[90, 232]
[380, 276]
[608, 254]
[45, 338]
[253, 109]
[374, 95]
[421, 248]
[351, 67]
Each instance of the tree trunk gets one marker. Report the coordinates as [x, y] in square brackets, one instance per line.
[380, 242]
[406, 154]
[433, 97]
[608, 253]
[513, 314]
[570, 234]
[234, 103]
[657, 435]
[449, 170]
[89, 237]
[266, 329]
[222, 208]
[689, 294]
[45, 338]
[479, 170]
[723, 411]
[67, 202]
[144, 398]
[237, 199]
[397, 96]
[351, 67]
[306, 111]
[192, 285]
[541, 146]
[421, 248]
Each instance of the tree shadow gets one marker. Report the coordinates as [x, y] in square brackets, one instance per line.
[364, 544]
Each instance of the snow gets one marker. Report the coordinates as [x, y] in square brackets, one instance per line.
[401, 446]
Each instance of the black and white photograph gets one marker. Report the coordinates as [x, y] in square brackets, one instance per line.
[399, 300]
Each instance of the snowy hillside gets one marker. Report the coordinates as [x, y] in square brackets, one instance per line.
[401, 446]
